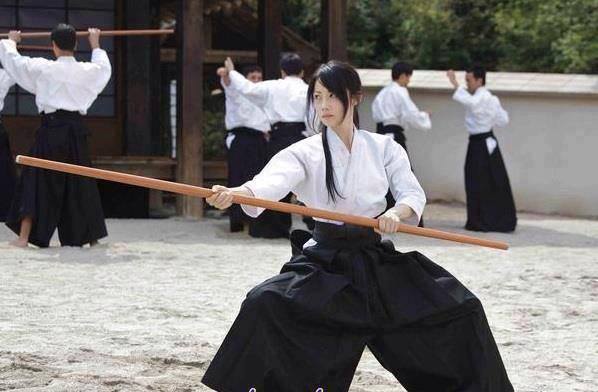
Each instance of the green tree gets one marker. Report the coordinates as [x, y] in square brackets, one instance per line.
[548, 35]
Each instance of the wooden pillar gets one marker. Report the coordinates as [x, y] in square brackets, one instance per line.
[141, 68]
[334, 30]
[270, 37]
[190, 56]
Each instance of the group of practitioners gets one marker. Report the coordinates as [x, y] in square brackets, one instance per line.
[344, 288]
[264, 117]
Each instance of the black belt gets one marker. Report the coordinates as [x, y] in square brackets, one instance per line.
[344, 235]
[283, 126]
[481, 136]
[61, 115]
[246, 131]
[392, 128]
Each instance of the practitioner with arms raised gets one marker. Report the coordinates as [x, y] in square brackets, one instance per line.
[64, 90]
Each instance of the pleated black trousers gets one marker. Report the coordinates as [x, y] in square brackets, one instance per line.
[247, 156]
[279, 223]
[490, 204]
[57, 200]
[307, 327]
[399, 137]
[7, 174]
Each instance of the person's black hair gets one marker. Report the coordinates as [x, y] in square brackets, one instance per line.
[251, 68]
[64, 36]
[401, 68]
[291, 64]
[343, 81]
[478, 72]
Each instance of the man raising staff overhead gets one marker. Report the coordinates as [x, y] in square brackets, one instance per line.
[64, 90]
[490, 205]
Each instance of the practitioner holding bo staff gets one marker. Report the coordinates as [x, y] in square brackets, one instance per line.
[346, 289]
[64, 90]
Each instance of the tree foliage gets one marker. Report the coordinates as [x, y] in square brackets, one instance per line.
[503, 35]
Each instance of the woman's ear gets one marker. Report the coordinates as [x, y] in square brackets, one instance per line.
[356, 99]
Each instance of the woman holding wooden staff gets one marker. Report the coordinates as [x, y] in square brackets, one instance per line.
[344, 289]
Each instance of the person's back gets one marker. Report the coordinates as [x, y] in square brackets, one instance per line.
[64, 90]
[61, 84]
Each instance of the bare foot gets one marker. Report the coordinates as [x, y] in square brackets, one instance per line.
[19, 243]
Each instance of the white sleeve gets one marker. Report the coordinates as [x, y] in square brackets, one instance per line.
[22, 69]
[462, 96]
[501, 118]
[100, 69]
[280, 176]
[6, 83]
[375, 110]
[403, 185]
[413, 117]
[255, 92]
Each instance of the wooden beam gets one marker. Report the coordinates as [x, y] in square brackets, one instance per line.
[334, 30]
[190, 102]
[270, 37]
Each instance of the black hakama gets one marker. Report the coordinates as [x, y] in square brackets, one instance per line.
[247, 156]
[490, 204]
[58, 200]
[7, 174]
[278, 224]
[307, 327]
[399, 137]
[397, 131]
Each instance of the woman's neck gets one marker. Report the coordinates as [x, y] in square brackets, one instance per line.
[345, 132]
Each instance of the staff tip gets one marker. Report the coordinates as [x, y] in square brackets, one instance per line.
[18, 159]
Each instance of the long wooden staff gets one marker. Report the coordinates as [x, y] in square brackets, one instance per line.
[196, 191]
[33, 47]
[104, 33]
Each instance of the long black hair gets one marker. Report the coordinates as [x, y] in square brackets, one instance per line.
[342, 80]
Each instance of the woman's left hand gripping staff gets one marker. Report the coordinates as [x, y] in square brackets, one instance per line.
[390, 221]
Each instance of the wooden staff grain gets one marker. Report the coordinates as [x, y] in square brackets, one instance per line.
[103, 33]
[196, 191]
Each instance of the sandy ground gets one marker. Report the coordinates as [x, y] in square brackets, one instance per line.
[147, 309]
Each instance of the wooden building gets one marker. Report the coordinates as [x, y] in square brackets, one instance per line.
[131, 126]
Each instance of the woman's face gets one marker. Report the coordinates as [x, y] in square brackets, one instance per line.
[329, 108]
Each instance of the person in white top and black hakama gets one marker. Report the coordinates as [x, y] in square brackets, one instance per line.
[64, 90]
[247, 127]
[283, 100]
[394, 112]
[7, 166]
[344, 289]
[490, 204]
